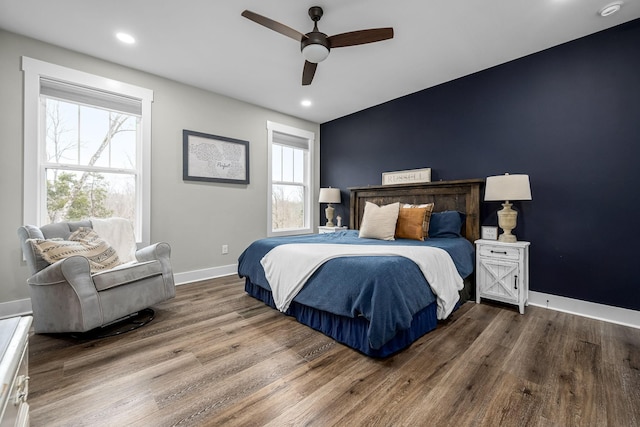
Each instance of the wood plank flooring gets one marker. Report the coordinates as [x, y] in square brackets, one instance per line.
[215, 356]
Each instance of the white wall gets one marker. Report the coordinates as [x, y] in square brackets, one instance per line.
[196, 219]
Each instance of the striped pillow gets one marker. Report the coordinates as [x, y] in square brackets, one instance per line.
[84, 242]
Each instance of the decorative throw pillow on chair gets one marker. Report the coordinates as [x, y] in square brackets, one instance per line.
[84, 242]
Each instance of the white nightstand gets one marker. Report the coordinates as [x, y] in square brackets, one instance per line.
[502, 272]
[322, 229]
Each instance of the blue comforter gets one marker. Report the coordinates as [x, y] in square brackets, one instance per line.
[387, 290]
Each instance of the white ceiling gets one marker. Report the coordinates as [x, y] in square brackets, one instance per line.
[206, 43]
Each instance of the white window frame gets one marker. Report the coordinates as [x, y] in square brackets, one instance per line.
[308, 177]
[34, 173]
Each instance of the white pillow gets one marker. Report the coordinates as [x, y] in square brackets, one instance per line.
[379, 222]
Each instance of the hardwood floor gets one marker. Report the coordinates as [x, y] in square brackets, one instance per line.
[215, 356]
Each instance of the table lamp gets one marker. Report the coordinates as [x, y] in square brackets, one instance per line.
[507, 187]
[329, 195]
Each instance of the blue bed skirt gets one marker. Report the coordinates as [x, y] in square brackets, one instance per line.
[352, 331]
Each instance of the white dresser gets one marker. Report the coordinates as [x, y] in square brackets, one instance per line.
[14, 347]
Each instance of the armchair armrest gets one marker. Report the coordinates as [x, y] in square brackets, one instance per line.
[64, 296]
[160, 251]
[157, 251]
[61, 271]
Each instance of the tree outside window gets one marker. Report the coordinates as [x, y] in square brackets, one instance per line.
[291, 180]
[87, 147]
[288, 188]
[90, 161]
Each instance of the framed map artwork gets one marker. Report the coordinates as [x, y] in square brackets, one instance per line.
[213, 158]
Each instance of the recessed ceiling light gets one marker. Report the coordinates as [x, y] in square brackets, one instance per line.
[126, 38]
[305, 103]
[610, 9]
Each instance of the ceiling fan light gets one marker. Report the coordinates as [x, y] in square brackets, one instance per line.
[315, 53]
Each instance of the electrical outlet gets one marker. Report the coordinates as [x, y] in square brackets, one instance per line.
[225, 249]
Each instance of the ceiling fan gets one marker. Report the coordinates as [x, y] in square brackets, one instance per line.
[315, 45]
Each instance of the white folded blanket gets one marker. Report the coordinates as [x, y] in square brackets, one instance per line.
[118, 232]
[287, 278]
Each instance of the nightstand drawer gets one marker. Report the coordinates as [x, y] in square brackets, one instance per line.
[499, 252]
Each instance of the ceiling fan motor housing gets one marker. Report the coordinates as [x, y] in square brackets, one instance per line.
[315, 13]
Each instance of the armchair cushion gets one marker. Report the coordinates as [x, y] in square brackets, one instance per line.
[84, 242]
[126, 273]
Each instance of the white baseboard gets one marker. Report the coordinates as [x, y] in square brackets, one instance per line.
[608, 313]
[14, 308]
[204, 274]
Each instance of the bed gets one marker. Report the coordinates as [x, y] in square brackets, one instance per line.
[374, 298]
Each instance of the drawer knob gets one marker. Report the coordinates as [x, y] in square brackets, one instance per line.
[498, 252]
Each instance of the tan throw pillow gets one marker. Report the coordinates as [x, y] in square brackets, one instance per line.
[410, 223]
[427, 216]
[379, 222]
[84, 242]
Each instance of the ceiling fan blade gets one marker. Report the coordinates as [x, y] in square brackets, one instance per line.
[308, 72]
[354, 38]
[274, 25]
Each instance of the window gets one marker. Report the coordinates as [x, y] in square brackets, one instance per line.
[87, 147]
[290, 179]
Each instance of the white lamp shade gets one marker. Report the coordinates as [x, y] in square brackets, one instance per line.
[507, 187]
[315, 53]
[329, 195]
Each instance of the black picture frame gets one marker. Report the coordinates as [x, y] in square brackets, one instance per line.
[214, 158]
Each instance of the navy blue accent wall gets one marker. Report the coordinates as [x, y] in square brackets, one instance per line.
[568, 116]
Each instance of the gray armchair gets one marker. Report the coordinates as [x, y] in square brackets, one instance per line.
[67, 297]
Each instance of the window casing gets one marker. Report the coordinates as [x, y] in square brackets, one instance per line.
[290, 176]
[87, 143]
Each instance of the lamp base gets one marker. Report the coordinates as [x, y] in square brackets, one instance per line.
[507, 220]
[507, 238]
[329, 211]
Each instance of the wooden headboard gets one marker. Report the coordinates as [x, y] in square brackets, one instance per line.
[460, 195]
